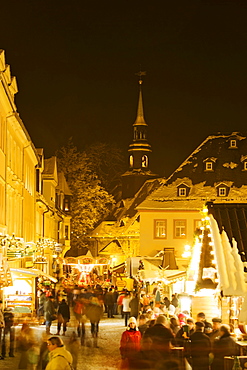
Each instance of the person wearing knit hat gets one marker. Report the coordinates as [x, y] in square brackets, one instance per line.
[130, 343]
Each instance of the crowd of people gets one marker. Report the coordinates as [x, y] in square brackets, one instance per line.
[157, 335]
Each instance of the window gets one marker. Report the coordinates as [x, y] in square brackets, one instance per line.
[245, 165]
[182, 192]
[222, 192]
[66, 204]
[209, 166]
[144, 161]
[233, 143]
[131, 161]
[197, 224]
[179, 229]
[66, 232]
[160, 229]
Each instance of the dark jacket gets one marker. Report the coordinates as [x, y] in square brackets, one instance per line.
[134, 307]
[109, 299]
[63, 309]
[180, 340]
[200, 347]
[224, 346]
[49, 310]
[94, 312]
[161, 337]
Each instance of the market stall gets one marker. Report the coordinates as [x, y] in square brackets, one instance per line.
[21, 296]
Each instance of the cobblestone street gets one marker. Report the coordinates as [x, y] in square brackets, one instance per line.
[106, 357]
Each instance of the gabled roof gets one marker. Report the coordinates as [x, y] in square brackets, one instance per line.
[50, 168]
[62, 184]
[227, 160]
[228, 169]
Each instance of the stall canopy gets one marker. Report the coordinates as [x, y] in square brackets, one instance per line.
[151, 272]
[233, 219]
[33, 272]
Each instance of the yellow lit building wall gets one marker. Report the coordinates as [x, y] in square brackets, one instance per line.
[149, 241]
[17, 164]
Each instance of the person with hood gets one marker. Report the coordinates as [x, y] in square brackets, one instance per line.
[63, 316]
[130, 343]
[59, 357]
[223, 346]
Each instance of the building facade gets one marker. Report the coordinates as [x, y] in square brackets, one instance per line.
[34, 197]
[171, 216]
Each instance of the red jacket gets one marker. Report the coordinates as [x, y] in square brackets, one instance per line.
[130, 343]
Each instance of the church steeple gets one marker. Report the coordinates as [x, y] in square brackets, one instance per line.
[140, 114]
[140, 149]
[139, 152]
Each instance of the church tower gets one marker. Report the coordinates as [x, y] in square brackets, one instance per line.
[139, 153]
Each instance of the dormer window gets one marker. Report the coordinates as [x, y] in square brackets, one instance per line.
[222, 190]
[233, 144]
[208, 166]
[183, 190]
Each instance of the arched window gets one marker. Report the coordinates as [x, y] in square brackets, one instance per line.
[144, 161]
[131, 161]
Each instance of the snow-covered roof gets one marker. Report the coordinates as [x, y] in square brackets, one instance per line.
[227, 169]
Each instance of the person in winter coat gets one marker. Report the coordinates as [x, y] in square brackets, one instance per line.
[130, 343]
[217, 323]
[73, 346]
[200, 347]
[63, 316]
[134, 306]
[126, 308]
[43, 352]
[59, 357]
[185, 332]
[109, 300]
[8, 329]
[28, 348]
[50, 312]
[223, 346]
[94, 312]
[79, 311]
[161, 336]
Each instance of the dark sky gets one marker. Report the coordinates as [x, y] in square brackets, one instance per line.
[75, 63]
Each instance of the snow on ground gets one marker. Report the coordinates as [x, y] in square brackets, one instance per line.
[106, 357]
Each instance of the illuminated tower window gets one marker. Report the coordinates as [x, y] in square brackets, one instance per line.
[131, 161]
[144, 161]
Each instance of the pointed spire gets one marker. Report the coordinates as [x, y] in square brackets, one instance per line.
[140, 120]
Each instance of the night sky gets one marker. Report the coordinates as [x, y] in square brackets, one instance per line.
[75, 63]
